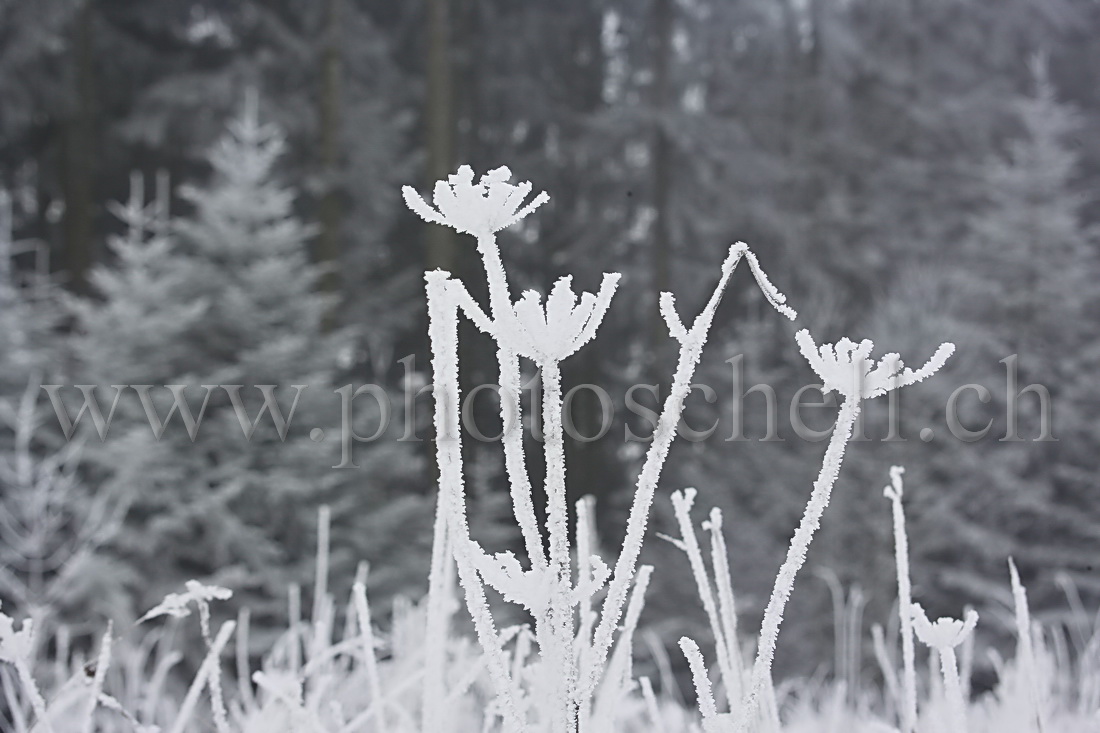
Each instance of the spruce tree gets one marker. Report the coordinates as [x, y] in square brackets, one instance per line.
[1027, 488]
[227, 295]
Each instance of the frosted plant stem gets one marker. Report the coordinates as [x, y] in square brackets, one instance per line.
[953, 690]
[370, 661]
[510, 407]
[585, 535]
[702, 684]
[443, 333]
[514, 464]
[1026, 653]
[31, 689]
[244, 674]
[320, 573]
[102, 663]
[435, 641]
[796, 554]
[681, 502]
[905, 602]
[720, 562]
[187, 707]
[561, 607]
[499, 299]
[620, 670]
[651, 704]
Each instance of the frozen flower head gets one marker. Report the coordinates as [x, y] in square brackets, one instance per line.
[15, 646]
[480, 208]
[945, 633]
[846, 366]
[563, 326]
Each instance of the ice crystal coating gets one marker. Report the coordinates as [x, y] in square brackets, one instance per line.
[561, 327]
[944, 633]
[481, 208]
[15, 646]
[177, 604]
[846, 366]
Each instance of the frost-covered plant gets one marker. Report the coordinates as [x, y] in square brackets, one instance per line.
[894, 493]
[572, 669]
[1025, 654]
[17, 648]
[572, 664]
[178, 605]
[943, 636]
[843, 367]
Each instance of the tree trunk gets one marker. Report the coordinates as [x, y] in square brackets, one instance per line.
[662, 174]
[328, 246]
[78, 143]
[439, 126]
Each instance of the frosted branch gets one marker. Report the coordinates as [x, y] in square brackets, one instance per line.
[796, 554]
[894, 493]
[690, 351]
[672, 318]
[443, 333]
[777, 299]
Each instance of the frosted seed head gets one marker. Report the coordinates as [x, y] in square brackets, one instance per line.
[553, 332]
[846, 367]
[480, 208]
[945, 633]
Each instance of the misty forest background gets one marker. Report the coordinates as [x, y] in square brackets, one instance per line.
[909, 171]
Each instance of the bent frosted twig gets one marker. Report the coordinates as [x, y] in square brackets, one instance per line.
[443, 334]
[691, 345]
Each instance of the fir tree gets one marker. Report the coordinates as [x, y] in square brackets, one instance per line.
[228, 296]
[1027, 488]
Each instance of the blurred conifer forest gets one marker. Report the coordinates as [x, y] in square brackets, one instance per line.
[912, 170]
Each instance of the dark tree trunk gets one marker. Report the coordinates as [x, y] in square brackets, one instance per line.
[330, 214]
[77, 161]
[439, 126]
[662, 178]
